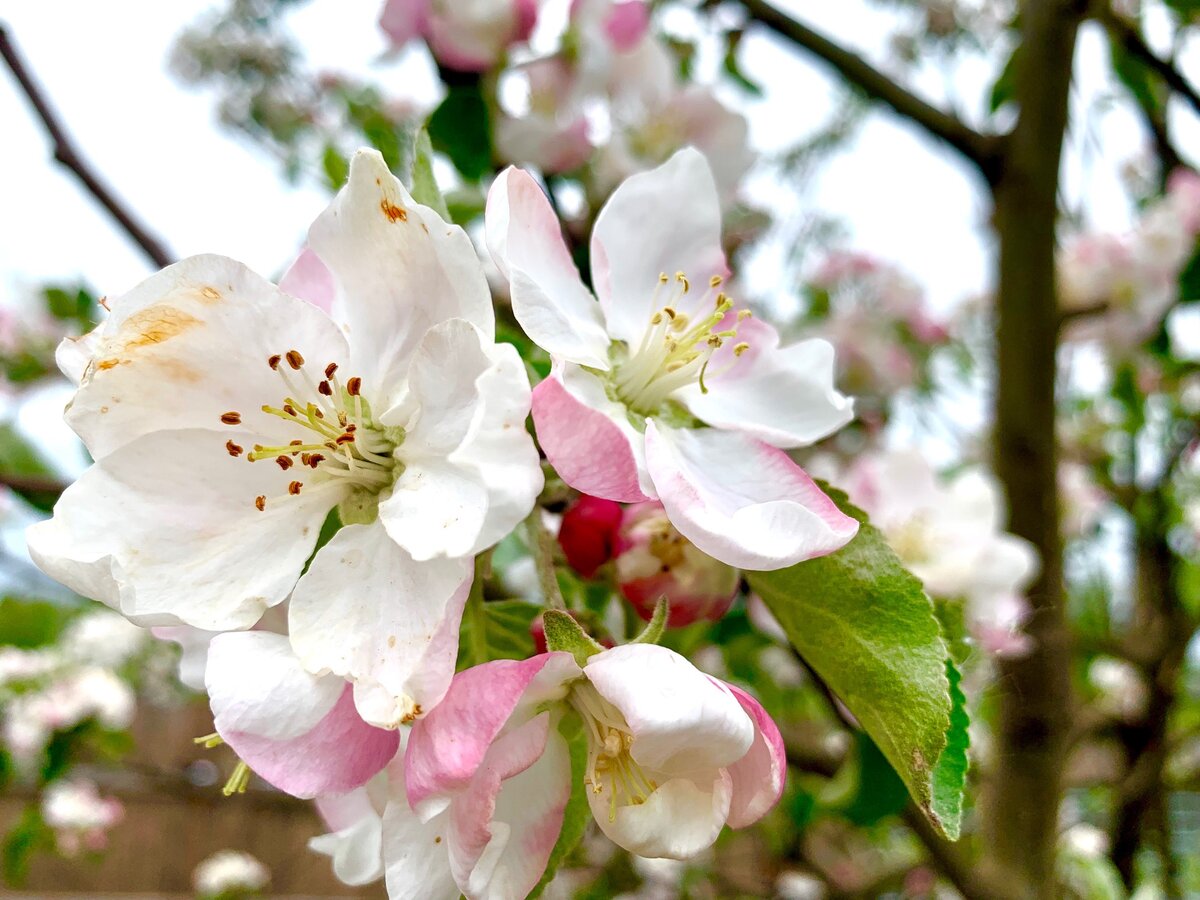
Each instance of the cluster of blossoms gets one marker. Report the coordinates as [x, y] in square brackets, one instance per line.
[609, 98]
[232, 421]
[79, 816]
[949, 533]
[876, 318]
[1123, 285]
[52, 689]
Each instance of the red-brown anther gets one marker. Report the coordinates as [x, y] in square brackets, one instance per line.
[295, 360]
[296, 443]
[345, 439]
[325, 389]
[231, 418]
[289, 409]
[285, 462]
[294, 487]
[330, 369]
[316, 412]
[351, 428]
[354, 386]
[261, 502]
[304, 458]
[273, 361]
[234, 449]
[315, 460]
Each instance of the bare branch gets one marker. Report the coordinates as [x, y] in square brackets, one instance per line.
[980, 149]
[1126, 34]
[67, 155]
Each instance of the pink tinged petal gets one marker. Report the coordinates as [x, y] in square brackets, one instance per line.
[588, 438]
[526, 13]
[783, 396]
[449, 744]
[742, 501]
[398, 270]
[548, 296]
[189, 344]
[365, 610]
[680, 819]
[627, 24]
[404, 20]
[682, 721]
[308, 279]
[175, 508]
[758, 777]
[662, 221]
[526, 819]
[299, 732]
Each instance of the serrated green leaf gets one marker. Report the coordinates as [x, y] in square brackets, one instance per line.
[505, 625]
[424, 185]
[950, 773]
[461, 128]
[578, 813]
[867, 628]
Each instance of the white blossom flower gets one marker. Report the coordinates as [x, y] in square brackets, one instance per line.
[229, 871]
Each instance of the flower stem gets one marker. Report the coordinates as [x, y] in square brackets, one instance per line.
[541, 545]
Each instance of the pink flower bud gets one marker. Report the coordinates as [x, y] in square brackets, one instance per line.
[654, 560]
[588, 533]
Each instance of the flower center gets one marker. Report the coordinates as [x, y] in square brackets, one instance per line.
[675, 350]
[611, 767]
[340, 444]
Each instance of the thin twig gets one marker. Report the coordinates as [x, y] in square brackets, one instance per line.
[980, 149]
[67, 155]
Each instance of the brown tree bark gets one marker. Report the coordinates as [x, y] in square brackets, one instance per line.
[1020, 812]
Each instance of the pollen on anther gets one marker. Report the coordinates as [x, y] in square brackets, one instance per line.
[683, 280]
[294, 487]
[231, 418]
[354, 386]
[330, 369]
[744, 314]
[740, 348]
[285, 462]
[315, 460]
[715, 281]
[273, 361]
[289, 409]
[295, 360]
[324, 389]
[260, 502]
[296, 443]
[234, 449]
[345, 438]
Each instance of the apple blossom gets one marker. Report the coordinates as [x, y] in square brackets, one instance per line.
[673, 756]
[951, 537]
[355, 819]
[552, 134]
[103, 638]
[467, 35]
[79, 816]
[228, 418]
[638, 375]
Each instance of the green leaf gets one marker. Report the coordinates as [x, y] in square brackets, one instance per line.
[878, 790]
[654, 629]
[1141, 81]
[30, 623]
[29, 835]
[731, 66]
[950, 773]
[504, 625]
[461, 128]
[336, 168]
[578, 813]
[1002, 88]
[424, 185]
[19, 458]
[564, 633]
[867, 628]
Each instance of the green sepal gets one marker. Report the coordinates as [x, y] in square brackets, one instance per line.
[564, 633]
[653, 632]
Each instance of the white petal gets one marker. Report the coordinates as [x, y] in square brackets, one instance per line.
[784, 396]
[367, 611]
[682, 721]
[548, 297]
[356, 851]
[678, 820]
[436, 509]
[742, 501]
[663, 221]
[415, 852]
[398, 269]
[190, 344]
[166, 531]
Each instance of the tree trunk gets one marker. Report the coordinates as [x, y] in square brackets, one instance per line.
[1021, 809]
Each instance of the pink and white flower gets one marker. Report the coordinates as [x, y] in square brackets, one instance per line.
[228, 418]
[673, 756]
[552, 133]
[467, 35]
[79, 816]
[663, 353]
